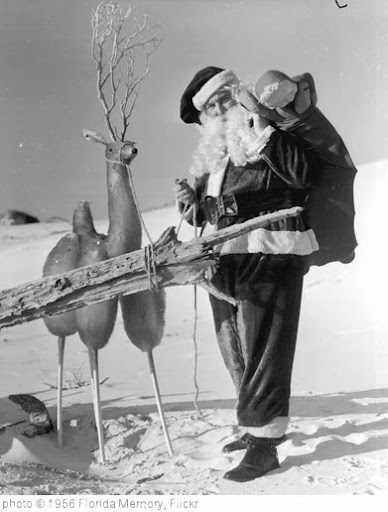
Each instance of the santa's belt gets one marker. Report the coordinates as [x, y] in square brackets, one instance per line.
[249, 204]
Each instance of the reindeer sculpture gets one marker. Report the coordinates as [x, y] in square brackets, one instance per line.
[95, 323]
[120, 41]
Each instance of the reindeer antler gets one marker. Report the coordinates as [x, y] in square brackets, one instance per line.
[121, 47]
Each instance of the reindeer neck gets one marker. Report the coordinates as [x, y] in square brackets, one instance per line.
[124, 232]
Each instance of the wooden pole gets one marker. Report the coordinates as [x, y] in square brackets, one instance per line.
[158, 399]
[95, 381]
[61, 351]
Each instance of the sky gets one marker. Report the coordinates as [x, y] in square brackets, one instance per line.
[48, 88]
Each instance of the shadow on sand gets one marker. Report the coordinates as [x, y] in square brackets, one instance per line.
[371, 402]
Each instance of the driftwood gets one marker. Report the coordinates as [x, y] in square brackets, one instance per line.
[176, 263]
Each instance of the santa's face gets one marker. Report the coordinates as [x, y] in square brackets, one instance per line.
[218, 104]
[225, 132]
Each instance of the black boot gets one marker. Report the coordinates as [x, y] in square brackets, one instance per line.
[261, 457]
[239, 444]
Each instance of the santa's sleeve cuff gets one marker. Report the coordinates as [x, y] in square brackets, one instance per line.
[262, 140]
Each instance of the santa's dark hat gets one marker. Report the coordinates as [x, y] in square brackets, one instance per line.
[204, 84]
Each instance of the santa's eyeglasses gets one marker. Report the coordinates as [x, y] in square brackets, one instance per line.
[219, 102]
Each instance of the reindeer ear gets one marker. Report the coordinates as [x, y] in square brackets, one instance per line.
[93, 136]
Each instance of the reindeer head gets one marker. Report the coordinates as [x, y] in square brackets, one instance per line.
[115, 152]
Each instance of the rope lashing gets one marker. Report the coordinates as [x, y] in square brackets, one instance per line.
[186, 208]
[115, 162]
[195, 376]
[149, 250]
[150, 266]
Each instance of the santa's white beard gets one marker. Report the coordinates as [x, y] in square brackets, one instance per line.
[224, 137]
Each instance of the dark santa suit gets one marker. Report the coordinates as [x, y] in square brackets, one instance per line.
[263, 270]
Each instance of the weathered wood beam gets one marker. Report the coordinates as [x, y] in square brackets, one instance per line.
[176, 263]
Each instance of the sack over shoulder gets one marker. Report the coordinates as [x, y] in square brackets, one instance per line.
[330, 204]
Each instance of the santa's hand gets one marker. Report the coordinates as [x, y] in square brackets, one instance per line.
[183, 192]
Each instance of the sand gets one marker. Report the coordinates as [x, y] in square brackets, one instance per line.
[338, 437]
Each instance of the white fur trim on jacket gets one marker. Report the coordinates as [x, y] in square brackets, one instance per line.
[215, 181]
[261, 141]
[275, 428]
[301, 243]
[211, 86]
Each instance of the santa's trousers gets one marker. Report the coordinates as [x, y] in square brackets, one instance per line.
[257, 338]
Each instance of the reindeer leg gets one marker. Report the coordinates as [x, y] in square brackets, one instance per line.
[93, 355]
[159, 401]
[92, 384]
[61, 351]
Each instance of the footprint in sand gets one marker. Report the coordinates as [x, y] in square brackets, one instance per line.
[208, 457]
[204, 453]
[355, 462]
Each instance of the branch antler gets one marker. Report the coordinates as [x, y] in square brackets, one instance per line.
[121, 47]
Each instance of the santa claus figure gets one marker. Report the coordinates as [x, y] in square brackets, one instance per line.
[244, 167]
